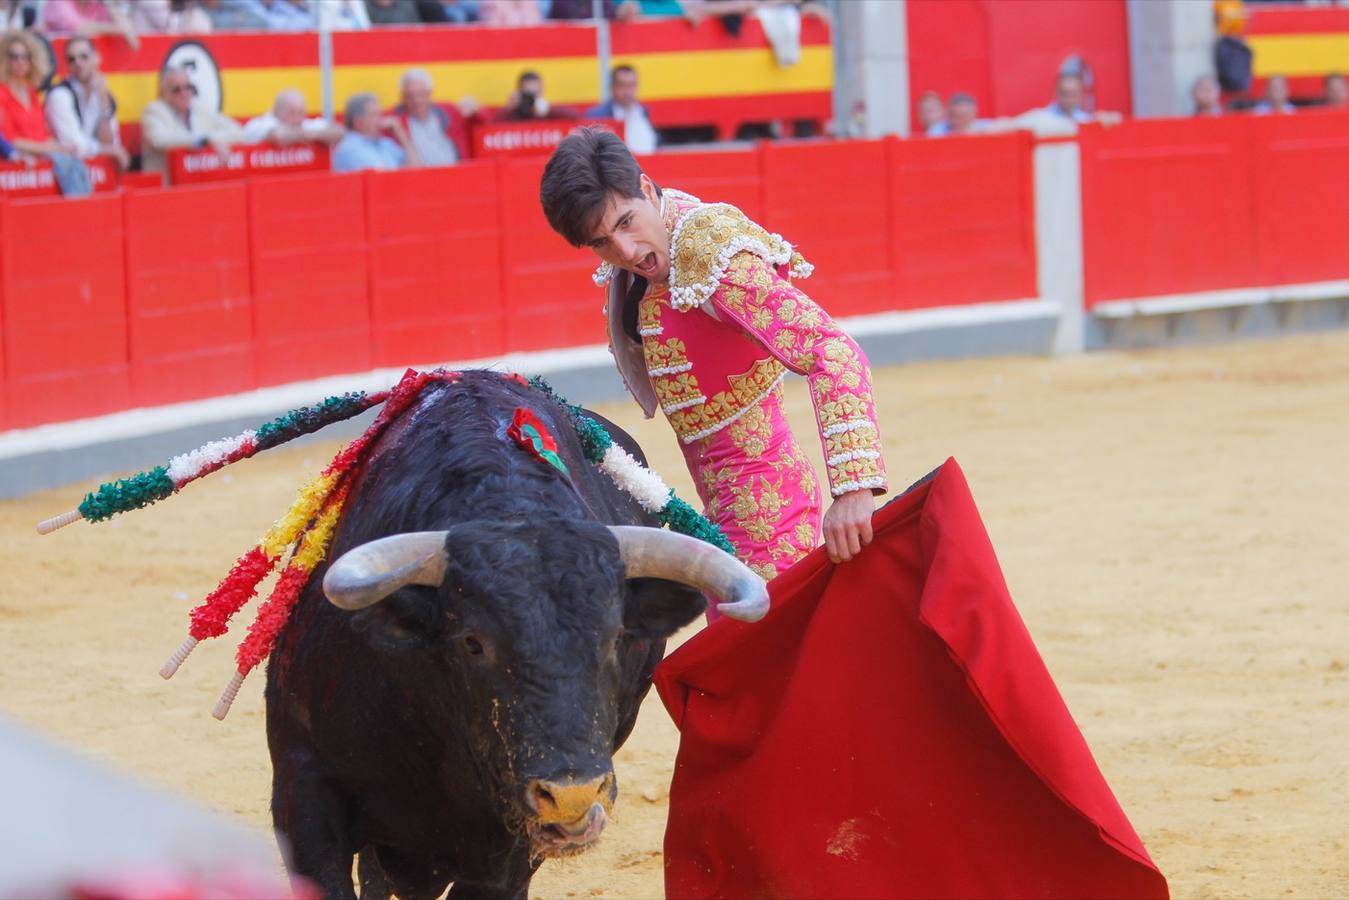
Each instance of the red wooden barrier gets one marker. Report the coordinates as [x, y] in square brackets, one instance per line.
[310, 279]
[435, 264]
[245, 161]
[829, 200]
[733, 177]
[64, 293]
[1301, 196]
[1167, 207]
[189, 297]
[536, 138]
[550, 299]
[962, 220]
[19, 180]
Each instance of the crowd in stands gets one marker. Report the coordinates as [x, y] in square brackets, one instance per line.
[132, 18]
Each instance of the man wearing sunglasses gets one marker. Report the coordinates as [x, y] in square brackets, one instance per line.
[80, 110]
[178, 119]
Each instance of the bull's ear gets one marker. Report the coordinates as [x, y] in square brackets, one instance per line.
[654, 608]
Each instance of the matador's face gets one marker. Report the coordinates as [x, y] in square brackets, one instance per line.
[631, 235]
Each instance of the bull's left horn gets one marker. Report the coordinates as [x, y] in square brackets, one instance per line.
[367, 574]
[654, 553]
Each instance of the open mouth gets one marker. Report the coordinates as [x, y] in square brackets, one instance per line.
[564, 838]
[647, 267]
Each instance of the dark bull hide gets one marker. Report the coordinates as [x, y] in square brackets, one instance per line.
[461, 728]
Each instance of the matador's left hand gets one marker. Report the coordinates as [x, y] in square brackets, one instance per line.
[847, 524]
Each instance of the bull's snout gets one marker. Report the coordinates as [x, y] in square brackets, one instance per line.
[566, 802]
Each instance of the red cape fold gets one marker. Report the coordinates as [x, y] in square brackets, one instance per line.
[888, 730]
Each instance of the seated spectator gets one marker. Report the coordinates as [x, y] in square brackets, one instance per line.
[456, 11]
[286, 124]
[342, 15]
[22, 122]
[234, 15]
[569, 10]
[80, 111]
[284, 15]
[438, 131]
[365, 147]
[1276, 98]
[392, 12]
[1207, 98]
[178, 120]
[1336, 92]
[638, 132]
[931, 114]
[86, 18]
[169, 17]
[17, 14]
[510, 13]
[527, 102]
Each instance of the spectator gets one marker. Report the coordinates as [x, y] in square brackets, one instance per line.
[1068, 94]
[1276, 98]
[931, 114]
[456, 11]
[286, 124]
[510, 13]
[22, 123]
[1336, 92]
[392, 12]
[438, 131]
[568, 10]
[86, 18]
[527, 102]
[80, 111]
[638, 132]
[343, 15]
[963, 115]
[364, 147]
[1207, 97]
[234, 15]
[1232, 56]
[17, 14]
[177, 120]
[283, 15]
[169, 17]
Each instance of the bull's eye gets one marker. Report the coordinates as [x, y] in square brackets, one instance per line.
[473, 645]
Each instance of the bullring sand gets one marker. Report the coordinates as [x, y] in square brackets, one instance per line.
[1174, 526]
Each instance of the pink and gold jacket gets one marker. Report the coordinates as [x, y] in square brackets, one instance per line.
[729, 325]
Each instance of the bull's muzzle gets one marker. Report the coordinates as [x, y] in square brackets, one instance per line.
[568, 815]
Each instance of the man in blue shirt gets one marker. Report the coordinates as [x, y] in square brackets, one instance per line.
[365, 146]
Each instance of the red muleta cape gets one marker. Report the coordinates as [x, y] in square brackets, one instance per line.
[888, 730]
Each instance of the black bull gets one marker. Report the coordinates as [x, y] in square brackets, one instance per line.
[461, 729]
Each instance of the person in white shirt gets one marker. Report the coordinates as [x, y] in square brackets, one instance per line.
[286, 124]
[80, 111]
[638, 132]
[177, 120]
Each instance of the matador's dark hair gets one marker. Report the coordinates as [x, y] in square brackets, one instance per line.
[588, 166]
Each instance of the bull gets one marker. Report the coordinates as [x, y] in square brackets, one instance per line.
[449, 712]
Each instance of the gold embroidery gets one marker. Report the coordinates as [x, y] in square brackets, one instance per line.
[705, 241]
[711, 416]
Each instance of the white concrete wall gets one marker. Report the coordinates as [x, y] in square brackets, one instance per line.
[1170, 45]
[872, 46]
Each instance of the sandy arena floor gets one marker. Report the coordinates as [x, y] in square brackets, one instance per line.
[1172, 524]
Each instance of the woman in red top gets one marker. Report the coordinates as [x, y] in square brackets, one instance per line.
[22, 68]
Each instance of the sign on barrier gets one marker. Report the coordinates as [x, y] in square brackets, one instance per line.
[19, 180]
[245, 161]
[531, 138]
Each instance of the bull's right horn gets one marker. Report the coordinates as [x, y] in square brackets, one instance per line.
[655, 553]
[367, 574]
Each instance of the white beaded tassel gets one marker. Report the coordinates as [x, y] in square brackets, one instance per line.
[47, 526]
[222, 707]
[167, 670]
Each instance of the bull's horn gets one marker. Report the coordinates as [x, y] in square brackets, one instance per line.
[654, 553]
[367, 574]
